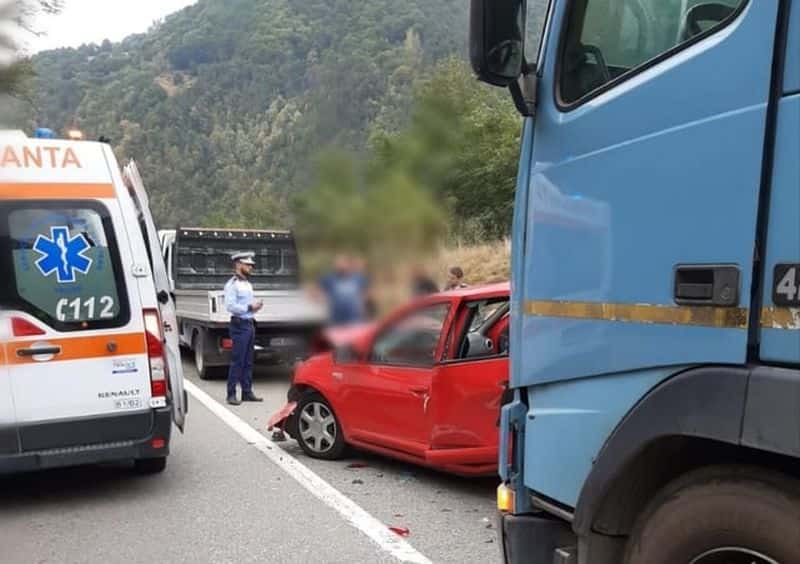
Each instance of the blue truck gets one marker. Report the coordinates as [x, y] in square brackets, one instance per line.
[655, 338]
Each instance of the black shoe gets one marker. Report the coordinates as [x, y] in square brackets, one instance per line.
[233, 401]
[250, 396]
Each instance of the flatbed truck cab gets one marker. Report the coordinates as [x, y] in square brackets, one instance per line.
[655, 335]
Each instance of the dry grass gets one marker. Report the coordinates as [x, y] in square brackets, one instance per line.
[482, 264]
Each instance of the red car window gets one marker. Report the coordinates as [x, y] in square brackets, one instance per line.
[411, 340]
[477, 329]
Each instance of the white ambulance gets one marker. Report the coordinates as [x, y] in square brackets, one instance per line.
[89, 363]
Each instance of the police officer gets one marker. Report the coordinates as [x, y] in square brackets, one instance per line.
[240, 304]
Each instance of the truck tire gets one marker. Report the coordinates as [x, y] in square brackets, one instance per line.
[318, 432]
[150, 465]
[205, 371]
[721, 514]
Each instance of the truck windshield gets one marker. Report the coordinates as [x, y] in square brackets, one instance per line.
[204, 260]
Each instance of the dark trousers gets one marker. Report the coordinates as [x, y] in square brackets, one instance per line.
[243, 334]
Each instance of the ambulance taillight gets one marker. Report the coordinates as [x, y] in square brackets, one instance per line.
[24, 328]
[155, 353]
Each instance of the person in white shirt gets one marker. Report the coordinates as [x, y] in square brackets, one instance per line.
[240, 303]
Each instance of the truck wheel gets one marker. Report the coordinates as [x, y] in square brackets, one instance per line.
[203, 370]
[721, 515]
[150, 465]
[317, 429]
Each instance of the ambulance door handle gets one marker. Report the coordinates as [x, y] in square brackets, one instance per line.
[39, 350]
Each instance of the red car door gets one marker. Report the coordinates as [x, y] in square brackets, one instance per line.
[387, 398]
[467, 389]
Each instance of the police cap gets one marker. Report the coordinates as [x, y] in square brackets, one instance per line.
[245, 257]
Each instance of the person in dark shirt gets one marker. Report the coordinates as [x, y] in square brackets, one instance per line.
[345, 289]
[421, 283]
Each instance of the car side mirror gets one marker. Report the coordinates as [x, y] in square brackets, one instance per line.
[497, 40]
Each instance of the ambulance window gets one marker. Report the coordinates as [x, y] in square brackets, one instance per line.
[66, 265]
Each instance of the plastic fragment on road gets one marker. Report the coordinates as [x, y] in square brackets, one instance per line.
[357, 464]
[401, 531]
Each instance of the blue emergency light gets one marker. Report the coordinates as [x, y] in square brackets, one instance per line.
[44, 133]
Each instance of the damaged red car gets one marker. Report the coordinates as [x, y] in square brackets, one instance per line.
[425, 386]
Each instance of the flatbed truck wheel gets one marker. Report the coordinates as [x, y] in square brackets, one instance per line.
[205, 371]
[721, 515]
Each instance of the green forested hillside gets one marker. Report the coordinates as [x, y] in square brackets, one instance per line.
[230, 98]
[254, 111]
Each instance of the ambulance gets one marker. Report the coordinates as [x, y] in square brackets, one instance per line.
[90, 368]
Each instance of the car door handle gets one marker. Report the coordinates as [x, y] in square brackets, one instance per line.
[36, 351]
[419, 390]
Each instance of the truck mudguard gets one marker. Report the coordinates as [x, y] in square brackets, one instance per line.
[708, 407]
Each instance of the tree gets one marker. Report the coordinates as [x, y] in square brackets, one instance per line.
[18, 16]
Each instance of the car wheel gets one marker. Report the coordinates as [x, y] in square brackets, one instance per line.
[317, 429]
[150, 465]
[721, 515]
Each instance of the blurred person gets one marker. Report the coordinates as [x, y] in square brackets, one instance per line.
[345, 289]
[421, 282]
[240, 304]
[370, 305]
[455, 279]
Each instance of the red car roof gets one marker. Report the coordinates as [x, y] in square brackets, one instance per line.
[478, 291]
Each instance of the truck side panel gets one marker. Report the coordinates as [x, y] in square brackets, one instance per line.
[579, 414]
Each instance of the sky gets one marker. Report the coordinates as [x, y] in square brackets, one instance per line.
[91, 21]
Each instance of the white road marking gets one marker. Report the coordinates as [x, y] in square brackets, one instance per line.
[356, 516]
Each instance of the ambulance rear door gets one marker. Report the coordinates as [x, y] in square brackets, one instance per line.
[9, 443]
[77, 356]
[166, 301]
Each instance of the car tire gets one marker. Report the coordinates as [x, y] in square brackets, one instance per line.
[316, 428]
[720, 514]
[205, 371]
[150, 465]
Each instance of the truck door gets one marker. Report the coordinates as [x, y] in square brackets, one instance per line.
[643, 196]
[166, 302]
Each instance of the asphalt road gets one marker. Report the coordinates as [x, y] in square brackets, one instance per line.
[222, 500]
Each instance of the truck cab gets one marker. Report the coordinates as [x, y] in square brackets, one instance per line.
[655, 334]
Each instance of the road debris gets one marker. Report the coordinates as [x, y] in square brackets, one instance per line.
[401, 531]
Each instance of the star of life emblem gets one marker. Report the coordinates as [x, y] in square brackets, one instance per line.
[62, 254]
